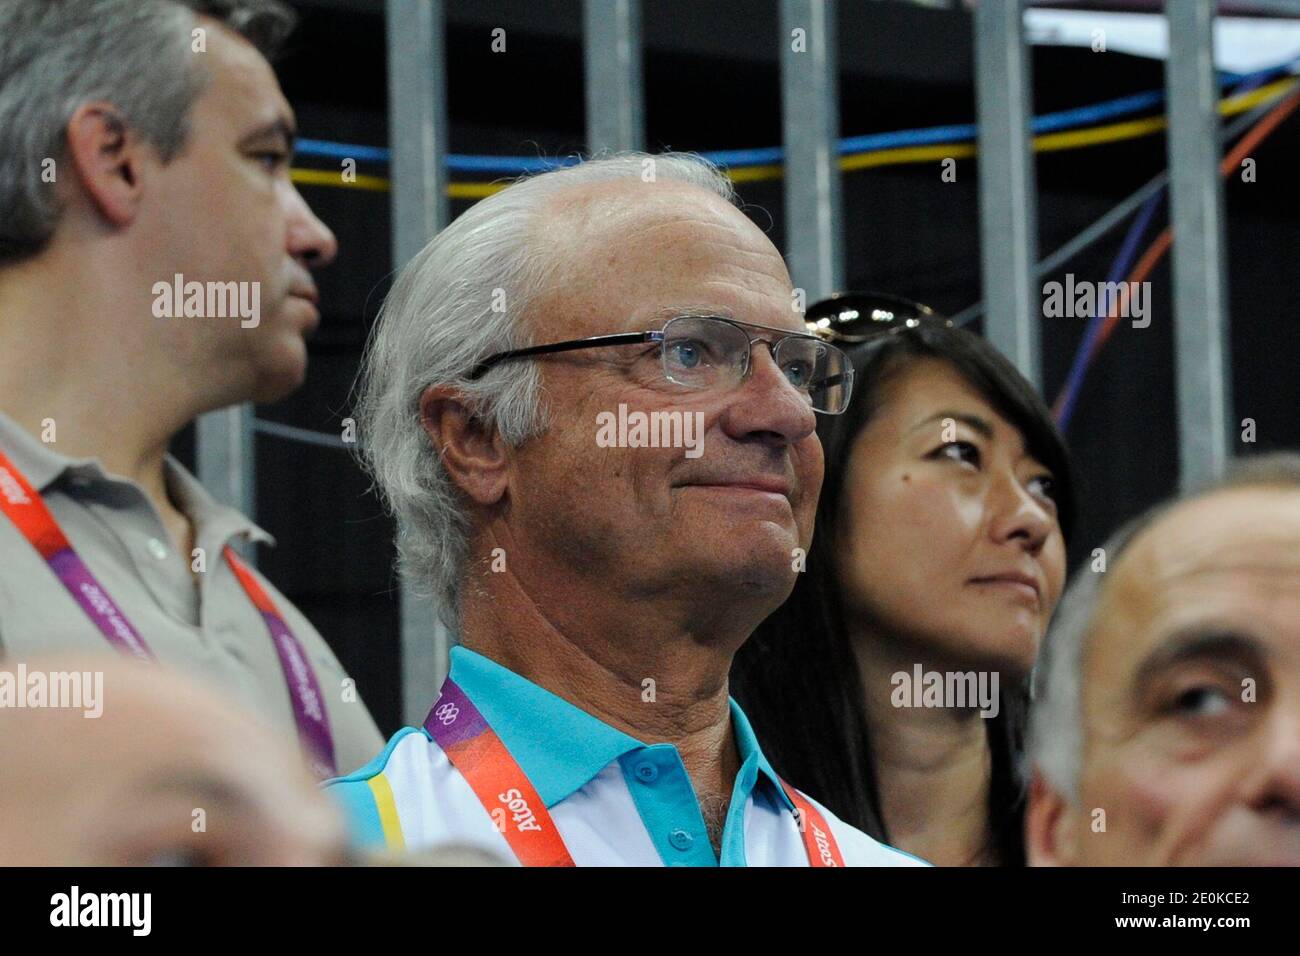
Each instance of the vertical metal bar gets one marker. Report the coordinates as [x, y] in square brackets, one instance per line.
[1008, 206]
[223, 457]
[417, 124]
[614, 84]
[810, 123]
[1199, 272]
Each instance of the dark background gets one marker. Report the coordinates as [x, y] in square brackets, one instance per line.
[711, 82]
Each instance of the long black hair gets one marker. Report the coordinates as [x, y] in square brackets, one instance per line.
[797, 677]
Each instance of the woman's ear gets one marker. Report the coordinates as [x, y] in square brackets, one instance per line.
[475, 455]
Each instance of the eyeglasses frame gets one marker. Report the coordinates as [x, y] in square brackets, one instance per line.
[658, 335]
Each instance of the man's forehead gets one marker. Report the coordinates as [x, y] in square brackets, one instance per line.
[634, 252]
[243, 88]
[1228, 529]
[629, 219]
[1212, 558]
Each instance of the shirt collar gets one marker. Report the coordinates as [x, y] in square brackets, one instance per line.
[747, 747]
[219, 522]
[559, 746]
[42, 466]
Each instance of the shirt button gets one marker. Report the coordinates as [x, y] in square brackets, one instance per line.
[157, 548]
[646, 772]
[681, 840]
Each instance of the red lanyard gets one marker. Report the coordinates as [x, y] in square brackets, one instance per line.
[27, 510]
[818, 842]
[505, 791]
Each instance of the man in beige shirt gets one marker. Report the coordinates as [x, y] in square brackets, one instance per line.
[147, 147]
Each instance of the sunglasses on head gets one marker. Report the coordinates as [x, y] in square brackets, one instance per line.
[851, 317]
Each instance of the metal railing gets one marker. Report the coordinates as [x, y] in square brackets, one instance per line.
[815, 245]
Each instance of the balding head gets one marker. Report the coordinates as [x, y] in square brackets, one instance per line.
[623, 247]
[169, 773]
[1167, 724]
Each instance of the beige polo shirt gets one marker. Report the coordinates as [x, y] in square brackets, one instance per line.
[212, 630]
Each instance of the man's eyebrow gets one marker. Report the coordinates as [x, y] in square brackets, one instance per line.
[981, 425]
[203, 785]
[1199, 642]
[280, 126]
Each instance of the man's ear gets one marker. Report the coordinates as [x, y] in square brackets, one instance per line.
[107, 157]
[1051, 837]
[475, 455]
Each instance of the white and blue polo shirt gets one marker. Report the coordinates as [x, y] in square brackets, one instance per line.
[615, 800]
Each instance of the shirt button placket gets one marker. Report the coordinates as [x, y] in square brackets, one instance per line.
[656, 771]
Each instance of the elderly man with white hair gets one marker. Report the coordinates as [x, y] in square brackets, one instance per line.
[591, 403]
[1165, 726]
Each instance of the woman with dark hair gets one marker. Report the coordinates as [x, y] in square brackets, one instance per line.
[940, 542]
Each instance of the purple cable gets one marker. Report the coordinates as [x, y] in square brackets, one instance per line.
[1118, 270]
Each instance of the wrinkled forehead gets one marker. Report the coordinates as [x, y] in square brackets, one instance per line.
[628, 254]
[1228, 561]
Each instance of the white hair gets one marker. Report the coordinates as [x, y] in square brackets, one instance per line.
[459, 300]
[1055, 736]
[1056, 721]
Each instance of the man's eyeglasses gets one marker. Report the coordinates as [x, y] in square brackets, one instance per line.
[853, 317]
[711, 352]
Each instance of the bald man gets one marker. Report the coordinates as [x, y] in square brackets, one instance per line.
[1166, 723]
[147, 766]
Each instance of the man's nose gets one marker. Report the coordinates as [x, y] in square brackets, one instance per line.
[310, 240]
[766, 406]
[1276, 783]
